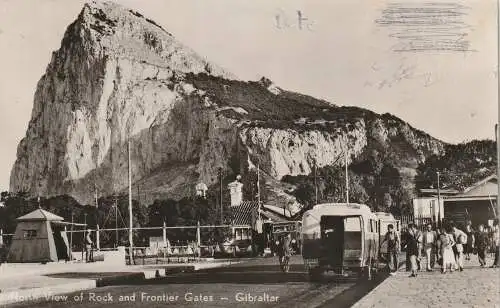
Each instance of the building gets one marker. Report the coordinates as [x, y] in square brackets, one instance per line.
[39, 237]
[477, 203]
[427, 207]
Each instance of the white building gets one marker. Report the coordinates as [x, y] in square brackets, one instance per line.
[427, 207]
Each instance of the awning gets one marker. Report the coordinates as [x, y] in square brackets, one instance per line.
[470, 198]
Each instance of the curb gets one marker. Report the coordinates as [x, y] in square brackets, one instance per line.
[57, 292]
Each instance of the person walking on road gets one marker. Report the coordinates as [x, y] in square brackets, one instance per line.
[446, 243]
[284, 252]
[496, 243]
[482, 244]
[393, 248]
[460, 238]
[413, 248]
[429, 243]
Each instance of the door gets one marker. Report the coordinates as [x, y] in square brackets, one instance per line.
[332, 240]
[353, 238]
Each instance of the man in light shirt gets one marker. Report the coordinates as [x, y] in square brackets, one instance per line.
[460, 239]
[429, 243]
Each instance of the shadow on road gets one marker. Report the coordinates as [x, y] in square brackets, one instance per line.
[249, 274]
[352, 295]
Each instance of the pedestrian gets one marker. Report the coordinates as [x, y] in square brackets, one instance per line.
[482, 244]
[446, 243]
[496, 243]
[469, 246]
[393, 248]
[413, 248]
[88, 247]
[429, 243]
[460, 239]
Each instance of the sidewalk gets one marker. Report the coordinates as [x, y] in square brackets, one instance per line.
[21, 282]
[474, 287]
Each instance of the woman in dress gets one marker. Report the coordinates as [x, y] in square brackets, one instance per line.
[446, 250]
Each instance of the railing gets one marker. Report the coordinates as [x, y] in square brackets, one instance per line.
[195, 242]
[420, 221]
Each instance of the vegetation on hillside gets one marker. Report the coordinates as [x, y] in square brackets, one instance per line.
[461, 166]
[381, 191]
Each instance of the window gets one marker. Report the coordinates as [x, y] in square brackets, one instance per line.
[352, 224]
[28, 234]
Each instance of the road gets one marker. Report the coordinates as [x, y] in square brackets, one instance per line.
[255, 283]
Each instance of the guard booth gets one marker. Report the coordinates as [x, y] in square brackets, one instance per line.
[40, 236]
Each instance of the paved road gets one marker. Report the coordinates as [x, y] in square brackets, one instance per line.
[256, 283]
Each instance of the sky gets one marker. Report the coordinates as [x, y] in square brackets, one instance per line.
[349, 52]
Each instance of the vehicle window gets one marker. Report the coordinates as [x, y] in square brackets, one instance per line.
[352, 224]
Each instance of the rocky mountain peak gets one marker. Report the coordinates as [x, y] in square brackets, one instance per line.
[105, 28]
[119, 77]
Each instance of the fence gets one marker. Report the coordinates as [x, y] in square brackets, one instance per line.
[169, 244]
[420, 221]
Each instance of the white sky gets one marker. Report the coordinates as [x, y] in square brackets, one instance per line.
[344, 57]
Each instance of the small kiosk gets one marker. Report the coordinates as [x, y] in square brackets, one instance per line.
[40, 236]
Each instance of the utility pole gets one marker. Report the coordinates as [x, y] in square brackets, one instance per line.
[72, 227]
[258, 184]
[95, 195]
[221, 211]
[130, 234]
[116, 222]
[497, 133]
[315, 182]
[439, 200]
[346, 178]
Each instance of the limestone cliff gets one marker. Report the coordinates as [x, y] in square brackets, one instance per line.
[118, 76]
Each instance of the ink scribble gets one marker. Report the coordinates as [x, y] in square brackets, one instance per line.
[285, 20]
[427, 26]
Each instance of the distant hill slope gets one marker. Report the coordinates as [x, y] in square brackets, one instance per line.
[461, 166]
[119, 77]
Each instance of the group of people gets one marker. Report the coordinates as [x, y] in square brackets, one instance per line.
[448, 246]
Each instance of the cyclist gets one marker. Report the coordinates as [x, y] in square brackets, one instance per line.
[284, 252]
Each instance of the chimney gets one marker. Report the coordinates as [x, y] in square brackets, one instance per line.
[235, 190]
